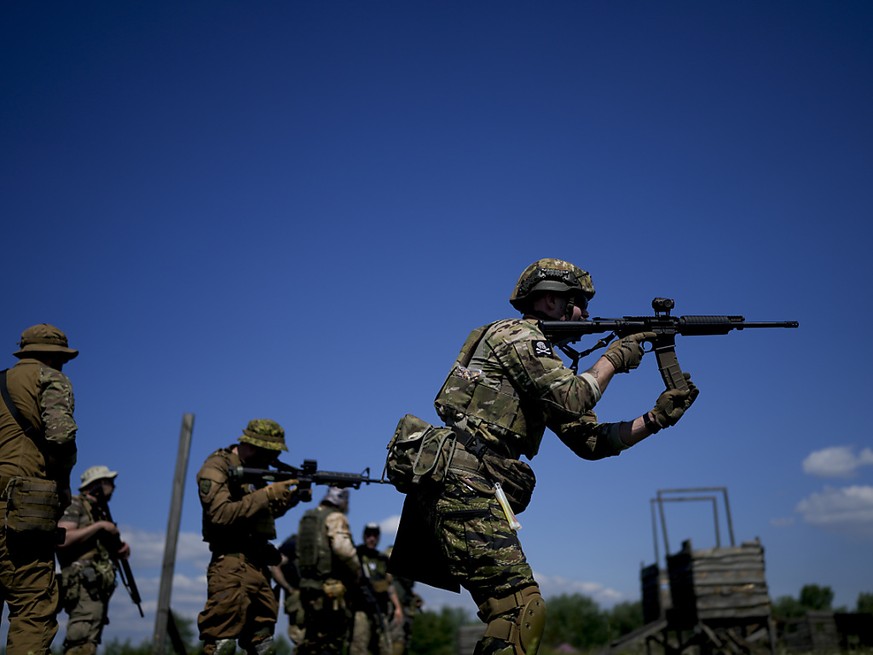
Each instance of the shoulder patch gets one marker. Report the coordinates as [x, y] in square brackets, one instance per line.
[205, 487]
[542, 349]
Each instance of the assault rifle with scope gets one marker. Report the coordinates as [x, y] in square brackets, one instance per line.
[665, 326]
[306, 475]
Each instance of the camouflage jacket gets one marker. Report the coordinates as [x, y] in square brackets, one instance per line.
[236, 515]
[80, 513]
[44, 397]
[508, 385]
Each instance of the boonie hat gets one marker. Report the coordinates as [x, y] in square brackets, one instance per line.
[264, 433]
[44, 338]
[95, 473]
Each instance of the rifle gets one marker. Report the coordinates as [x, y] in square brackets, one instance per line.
[306, 475]
[665, 326]
[113, 543]
[371, 600]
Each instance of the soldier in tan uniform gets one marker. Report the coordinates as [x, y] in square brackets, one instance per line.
[376, 608]
[329, 568]
[506, 387]
[87, 566]
[37, 453]
[238, 524]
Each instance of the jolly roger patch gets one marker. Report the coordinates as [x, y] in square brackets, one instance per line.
[542, 349]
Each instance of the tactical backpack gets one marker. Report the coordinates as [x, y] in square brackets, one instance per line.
[314, 557]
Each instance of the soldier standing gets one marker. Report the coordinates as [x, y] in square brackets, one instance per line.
[287, 575]
[329, 568]
[411, 603]
[506, 387]
[87, 565]
[37, 453]
[377, 608]
[238, 524]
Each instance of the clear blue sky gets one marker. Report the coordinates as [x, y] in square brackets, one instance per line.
[298, 210]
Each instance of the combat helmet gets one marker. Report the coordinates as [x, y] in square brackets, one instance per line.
[550, 275]
[264, 433]
[44, 338]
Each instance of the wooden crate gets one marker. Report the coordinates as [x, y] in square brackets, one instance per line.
[723, 584]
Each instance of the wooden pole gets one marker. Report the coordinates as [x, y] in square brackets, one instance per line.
[159, 640]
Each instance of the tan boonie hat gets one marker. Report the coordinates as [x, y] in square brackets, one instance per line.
[95, 473]
[44, 338]
[264, 433]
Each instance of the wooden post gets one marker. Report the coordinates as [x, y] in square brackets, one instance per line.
[159, 639]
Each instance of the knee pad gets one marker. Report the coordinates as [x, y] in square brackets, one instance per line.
[264, 647]
[515, 623]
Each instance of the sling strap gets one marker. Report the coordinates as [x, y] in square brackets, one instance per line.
[27, 427]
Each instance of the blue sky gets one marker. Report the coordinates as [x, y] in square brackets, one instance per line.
[298, 210]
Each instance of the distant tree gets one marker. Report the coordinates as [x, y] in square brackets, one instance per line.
[624, 618]
[576, 620]
[118, 647]
[437, 633]
[815, 597]
[787, 607]
[865, 603]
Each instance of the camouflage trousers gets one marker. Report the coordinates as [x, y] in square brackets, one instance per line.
[240, 603]
[482, 552]
[368, 636]
[327, 624]
[30, 590]
[85, 590]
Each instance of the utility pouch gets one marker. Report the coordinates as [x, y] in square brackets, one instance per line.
[418, 453]
[32, 505]
[515, 477]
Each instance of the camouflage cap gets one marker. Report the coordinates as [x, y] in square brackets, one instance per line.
[44, 338]
[95, 473]
[550, 275]
[264, 433]
[372, 528]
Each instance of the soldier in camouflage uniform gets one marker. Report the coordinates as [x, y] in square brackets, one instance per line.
[238, 524]
[506, 387]
[329, 567]
[37, 453]
[376, 608]
[87, 567]
[411, 603]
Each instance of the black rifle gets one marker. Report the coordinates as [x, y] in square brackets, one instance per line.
[306, 476]
[371, 601]
[113, 543]
[666, 328]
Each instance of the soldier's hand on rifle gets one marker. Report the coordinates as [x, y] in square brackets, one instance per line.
[124, 551]
[107, 526]
[626, 353]
[283, 494]
[672, 404]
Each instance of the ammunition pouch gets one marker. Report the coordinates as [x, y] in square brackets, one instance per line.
[515, 477]
[32, 505]
[418, 454]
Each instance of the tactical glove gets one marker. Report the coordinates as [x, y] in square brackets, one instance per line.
[672, 404]
[626, 353]
[282, 495]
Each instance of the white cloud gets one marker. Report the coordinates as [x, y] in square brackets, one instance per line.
[837, 462]
[845, 509]
[555, 585]
[147, 548]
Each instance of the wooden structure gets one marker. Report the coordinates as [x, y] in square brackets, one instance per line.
[707, 601]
